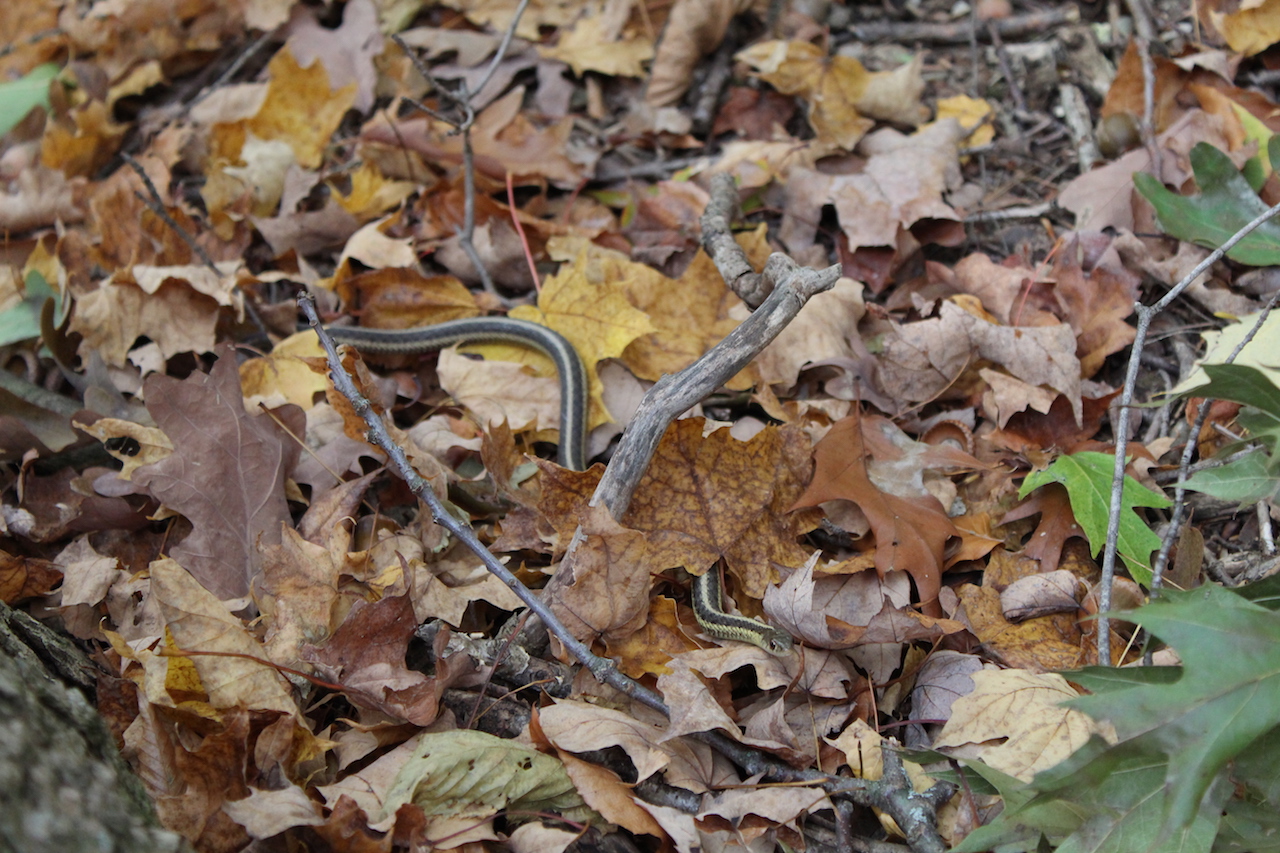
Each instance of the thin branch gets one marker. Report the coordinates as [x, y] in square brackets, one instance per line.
[604, 670]
[155, 203]
[1145, 316]
[461, 97]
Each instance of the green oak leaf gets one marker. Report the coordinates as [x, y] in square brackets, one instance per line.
[1087, 478]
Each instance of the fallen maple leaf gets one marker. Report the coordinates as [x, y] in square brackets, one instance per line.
[843, 97]
[592, 44]
[595, 317]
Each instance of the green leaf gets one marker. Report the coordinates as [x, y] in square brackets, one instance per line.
[1248, 828]
[1225, 204]
[1264, 593]
[472, 775]
[1246, 480]
[1258, 769]
[1102, 799]
[21, 96]
[1087, 477]
[1258, 166]
[1226, 700]
[1104, 679]
[22, 321]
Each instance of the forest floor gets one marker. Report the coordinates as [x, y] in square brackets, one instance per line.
[901, 468]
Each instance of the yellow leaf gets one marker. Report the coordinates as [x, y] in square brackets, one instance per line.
[372, 193]
[1250, 30]
[283, 375]
[299, 109]
[972, 113]
[596, 318]
[587, 47]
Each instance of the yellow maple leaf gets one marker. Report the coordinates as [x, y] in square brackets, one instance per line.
[689, 314]
[596, 318]
[299, 109]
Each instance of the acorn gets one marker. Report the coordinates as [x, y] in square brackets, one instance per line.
[1118, 133]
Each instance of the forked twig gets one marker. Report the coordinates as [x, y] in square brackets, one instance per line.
[914, 811]
[460, 97]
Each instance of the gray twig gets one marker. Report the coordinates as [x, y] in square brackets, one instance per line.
[1145, 315]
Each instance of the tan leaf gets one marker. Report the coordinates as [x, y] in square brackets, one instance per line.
[1015, 722]
[589, 47]
[199, 622]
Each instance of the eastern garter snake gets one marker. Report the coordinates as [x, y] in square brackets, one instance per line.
[706, 593]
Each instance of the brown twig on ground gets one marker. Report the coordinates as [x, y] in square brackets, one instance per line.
[1010, 79]
[960, 32]
[717, 241]
[155, 204]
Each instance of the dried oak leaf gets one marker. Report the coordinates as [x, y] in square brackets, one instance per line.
[1057, 524]
[911, 527]
[922, 360]
[895, 195]
[1096, 293]
[695, 28]
[366, 656]
[841, 611]
[226, 474]
[176, 317]
[190, 783]
[300, 109]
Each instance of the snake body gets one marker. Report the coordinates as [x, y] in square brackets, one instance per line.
[706, 594]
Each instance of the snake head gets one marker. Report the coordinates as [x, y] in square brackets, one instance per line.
[775, 642]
